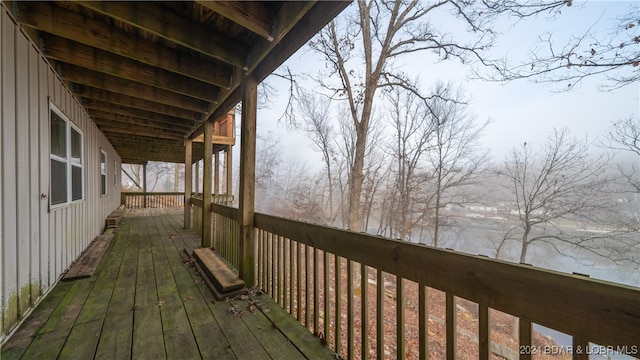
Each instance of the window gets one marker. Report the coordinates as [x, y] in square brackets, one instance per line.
[66, 160]
[115, 174]
[103, 173]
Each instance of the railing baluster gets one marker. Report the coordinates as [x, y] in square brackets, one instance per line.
[451, 325]
[380, 314]
[260, 257]
[338, 295]
[400, 347]
[350, 312]
[327, 307]
[364, 310]
[423, 321]
[580, 348]
[272, 259]
[525, 338]
[316, 301]
[484, 332]
[298, 281]
[307, 281]
[291, 270]
[282, 261]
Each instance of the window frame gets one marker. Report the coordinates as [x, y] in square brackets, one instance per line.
[68, 160]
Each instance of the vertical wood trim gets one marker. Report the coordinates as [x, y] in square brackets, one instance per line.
[22, 142]
[580, 347]
[350, 312]
[338, 307]
[216, 175]
[364, 310]
[327, 307]
[484, 332]
[228, 157]
[188, 173]
[423, 321]
[379, 314]
[525, 338]
[8, 164]
[400, 324]
[144, 185]
[34, 175]
[197, 178]
[450, 324]
[247, 178]
[206, 185]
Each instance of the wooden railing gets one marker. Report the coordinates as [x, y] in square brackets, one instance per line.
[323, 276]
[138, 200]
[224, 226]
[356, 291]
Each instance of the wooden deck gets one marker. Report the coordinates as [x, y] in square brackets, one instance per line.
[146, 301]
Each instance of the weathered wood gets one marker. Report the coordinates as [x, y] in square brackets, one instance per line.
[247, 179]
[188, 182]
[544, 296]
[86, 265]
[93, 98]
[218, 270]
[183, 31]
[77, 27]
[206, 186]
[253, 15]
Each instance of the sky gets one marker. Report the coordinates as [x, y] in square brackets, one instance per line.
[519, 111]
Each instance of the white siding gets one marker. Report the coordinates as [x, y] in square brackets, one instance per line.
[38, 243]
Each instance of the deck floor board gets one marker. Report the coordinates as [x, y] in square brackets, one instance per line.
[145, 301]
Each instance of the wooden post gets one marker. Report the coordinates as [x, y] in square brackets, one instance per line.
[206, 185]
[247, 180]
[188, 172]
[197, 185]
[144, 185]
[228, 171]
[216, 176]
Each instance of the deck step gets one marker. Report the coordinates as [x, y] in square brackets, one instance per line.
[87, 263]
[114, 218]
[217, 270]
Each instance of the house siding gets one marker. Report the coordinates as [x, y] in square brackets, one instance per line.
[39, 243]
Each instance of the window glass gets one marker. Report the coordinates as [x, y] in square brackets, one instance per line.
[58, 182]
[103, 173]
[58, 136]
[76, 146]
[76, 183]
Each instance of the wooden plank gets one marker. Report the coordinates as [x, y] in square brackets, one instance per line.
[525, 339]
[300, 336]
[254, 16]
[9, 183]
[206, 187]
[47, 345]
[23, 193]
[512, 288]
[147, 329]
[484, 332]
[2, 296]
[188, 182]
[451, 325]
[35, 256]
[218, 270]
[115, 339]
[87, 263]
[266, 332]
[247, 178]
[423, 322]
[82, 341]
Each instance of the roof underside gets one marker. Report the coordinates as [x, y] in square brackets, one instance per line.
[149, 73]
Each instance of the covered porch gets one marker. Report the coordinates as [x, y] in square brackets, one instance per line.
[147, 300]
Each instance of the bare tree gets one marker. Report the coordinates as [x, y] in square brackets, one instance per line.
[455, 157]
[412, 132]
[361, 54]
[315, 111]
[557, 189]
[616, 55]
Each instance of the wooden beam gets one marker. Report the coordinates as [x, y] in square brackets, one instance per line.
[135, 116]
[247, 180]
[45, 16]
[206, 186]
[156, 19]
[188, 173]
[228, 170]
[115, 84]
[253, 16]
[89, 96]
[105, 126]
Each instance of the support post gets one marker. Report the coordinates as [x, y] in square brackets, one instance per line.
[247, 180]
[228, 171]
[144, 185]
[206, 185]
[188, 172]
[197, 185]
[216, 176]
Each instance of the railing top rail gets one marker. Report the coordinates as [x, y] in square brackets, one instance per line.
[598, 311]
